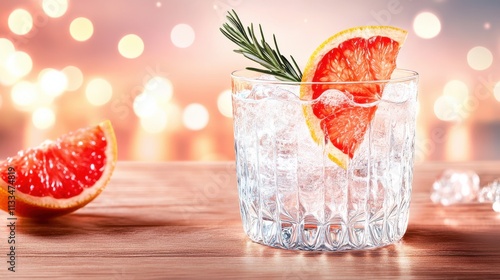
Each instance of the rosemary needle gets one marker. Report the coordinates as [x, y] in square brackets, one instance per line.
[259, 50]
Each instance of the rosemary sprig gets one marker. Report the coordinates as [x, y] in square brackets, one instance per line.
[260, 51]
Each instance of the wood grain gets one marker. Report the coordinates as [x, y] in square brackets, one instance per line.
[181, 221]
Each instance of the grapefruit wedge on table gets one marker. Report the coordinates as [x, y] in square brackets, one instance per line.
[358, 54]
[61, 176]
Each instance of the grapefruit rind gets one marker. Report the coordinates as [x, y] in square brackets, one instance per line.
[318, 136]
[34, 206]
[313, 123]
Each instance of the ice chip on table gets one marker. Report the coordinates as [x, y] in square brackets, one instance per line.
[491, 194]
[455, 186]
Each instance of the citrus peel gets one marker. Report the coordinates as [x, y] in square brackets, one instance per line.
[61, 176]
[358, 54]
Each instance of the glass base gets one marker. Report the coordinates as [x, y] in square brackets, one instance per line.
[342, 236]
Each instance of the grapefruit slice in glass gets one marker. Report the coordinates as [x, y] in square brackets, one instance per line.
[61, 176]
[358, 54]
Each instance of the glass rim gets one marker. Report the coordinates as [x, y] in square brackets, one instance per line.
[403, 75]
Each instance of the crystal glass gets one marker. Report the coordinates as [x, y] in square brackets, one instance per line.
[292, 195]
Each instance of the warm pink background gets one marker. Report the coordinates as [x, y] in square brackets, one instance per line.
[200, 72]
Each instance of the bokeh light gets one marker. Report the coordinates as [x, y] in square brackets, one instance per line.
[74, 76]
[446, 108]
[148, 96]
[6, 78]
[52, 82]
[174, 114]
[157, 92]
[19, 64]
[452, 104]
[203, 147]
[81, 29]
[43, 118]
[55, 8]
[458, 143]
[161, 88]
[98, 91]
[145, 105]
[6, 48]
[131, 46]
[195, 116]
[24, 95]
[20, 22]
[426, 25]
[182, 35]
[155, 123]
[479, 58]
[457, 89]
[496, 91]
[224, 104]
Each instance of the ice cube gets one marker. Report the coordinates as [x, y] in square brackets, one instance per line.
[491, 194]
[399, 92]
[399, 101]
[333, 97]
[270, 87]
[455, 186]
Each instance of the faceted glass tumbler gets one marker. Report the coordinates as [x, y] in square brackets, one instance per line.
[293, 193]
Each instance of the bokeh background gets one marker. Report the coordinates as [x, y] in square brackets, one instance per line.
[159, 70]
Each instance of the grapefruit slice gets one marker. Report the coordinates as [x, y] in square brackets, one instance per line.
[365, 53]
[61, 176]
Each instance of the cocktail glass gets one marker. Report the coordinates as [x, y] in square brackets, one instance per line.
[293, 195]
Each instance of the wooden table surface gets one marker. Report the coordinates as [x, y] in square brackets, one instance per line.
[181, 220]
